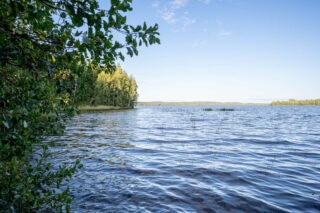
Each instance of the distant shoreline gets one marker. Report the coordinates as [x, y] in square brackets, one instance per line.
[199, 103]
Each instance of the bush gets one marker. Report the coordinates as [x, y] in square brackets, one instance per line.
[43, 55]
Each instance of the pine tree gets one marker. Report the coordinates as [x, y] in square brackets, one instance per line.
[115, 89]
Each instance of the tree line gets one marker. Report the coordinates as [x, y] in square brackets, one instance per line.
[297, 102]
[104, 87]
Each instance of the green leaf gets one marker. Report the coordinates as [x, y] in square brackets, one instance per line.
[135, 50]
[138, 28]
[5, 124]
[53, 58]
[121, 56]
[78, 33]
[130, 52]
[63, 15]
[42, 37]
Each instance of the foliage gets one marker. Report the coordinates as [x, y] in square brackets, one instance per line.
[115, 89]
[297, 102]
[45, 46]
[102, 87]
[27, 182]
[85, 92]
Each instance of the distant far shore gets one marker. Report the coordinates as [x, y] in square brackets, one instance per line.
[198, 103]
[290, 102]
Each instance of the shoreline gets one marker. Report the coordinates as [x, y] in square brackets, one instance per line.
[199, 103]
[88, 108]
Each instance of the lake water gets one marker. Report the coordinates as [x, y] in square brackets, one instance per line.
[185, 159]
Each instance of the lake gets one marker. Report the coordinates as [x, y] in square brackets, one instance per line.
[185, 159]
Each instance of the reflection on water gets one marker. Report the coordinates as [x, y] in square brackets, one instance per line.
[185, 159]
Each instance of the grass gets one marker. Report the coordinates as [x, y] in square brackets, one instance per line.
[85, 108]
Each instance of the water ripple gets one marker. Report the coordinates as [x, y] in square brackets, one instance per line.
[185, 159]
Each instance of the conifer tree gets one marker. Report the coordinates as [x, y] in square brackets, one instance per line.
[115, 89]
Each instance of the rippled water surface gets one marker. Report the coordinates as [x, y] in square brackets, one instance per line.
[184, 159]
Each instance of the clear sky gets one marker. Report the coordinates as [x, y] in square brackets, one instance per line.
[228, 50]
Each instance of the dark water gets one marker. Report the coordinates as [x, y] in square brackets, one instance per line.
[184, 159]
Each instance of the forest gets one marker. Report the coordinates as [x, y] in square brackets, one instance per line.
[55, 55]
[103, 87]
[297, 102]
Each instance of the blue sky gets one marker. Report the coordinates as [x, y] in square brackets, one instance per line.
[228, 50]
